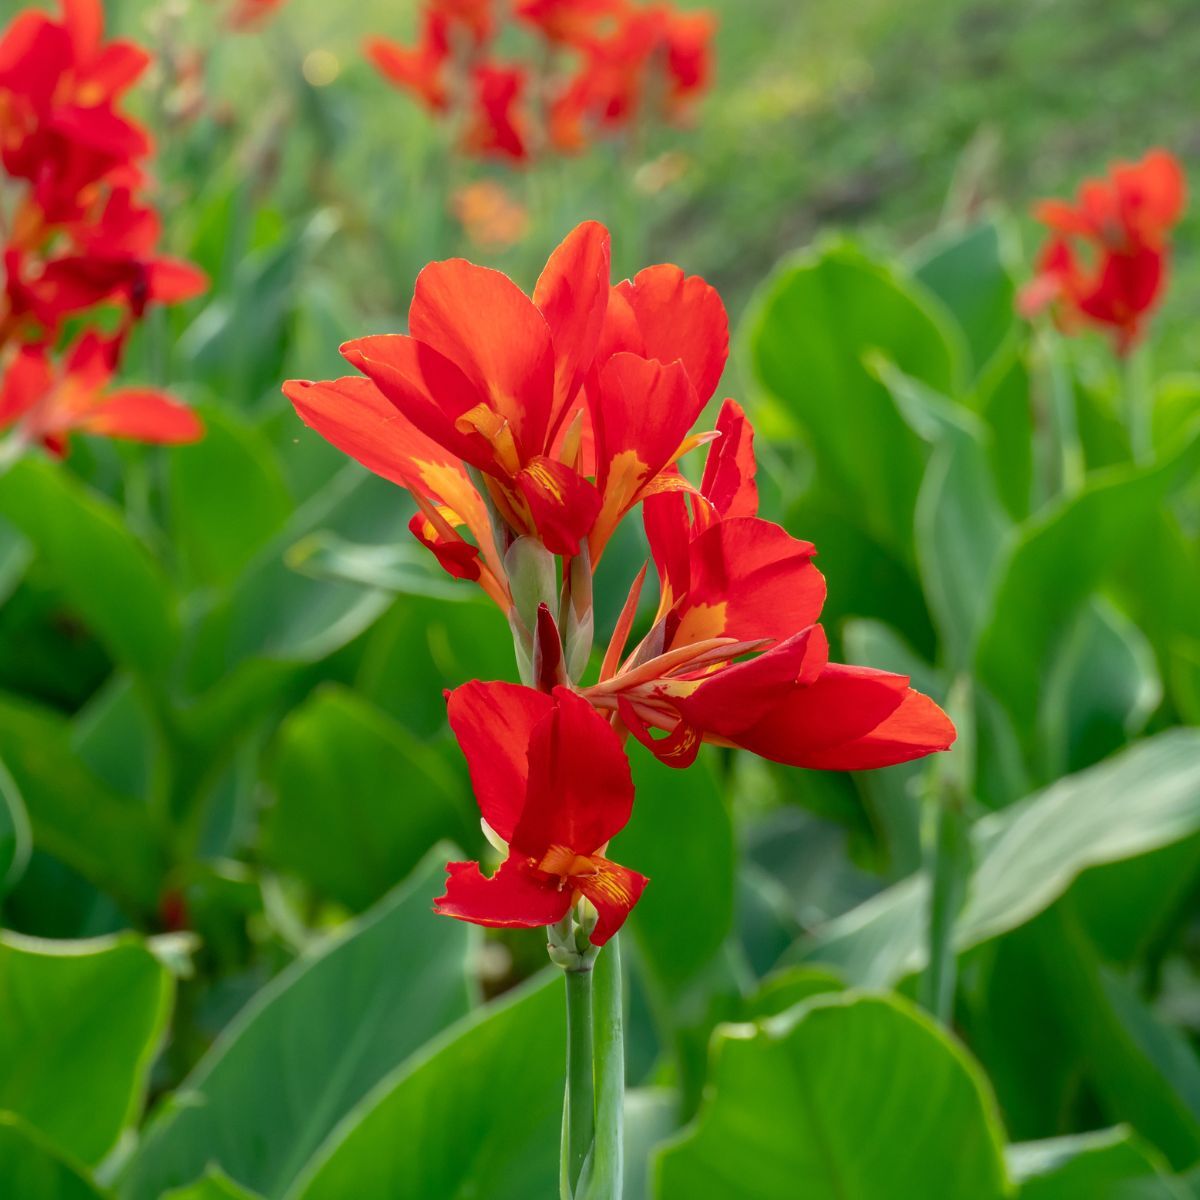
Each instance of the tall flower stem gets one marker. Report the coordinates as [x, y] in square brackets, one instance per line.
[608, 1154]
[1139, 408]
[579, 1105]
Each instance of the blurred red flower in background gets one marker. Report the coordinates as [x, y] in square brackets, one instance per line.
[79, 237]
[553, 784]
[601, 66]
[1106, 261]
[46, 402]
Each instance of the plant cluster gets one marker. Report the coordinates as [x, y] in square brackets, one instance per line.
[80, 237]
[595, 68]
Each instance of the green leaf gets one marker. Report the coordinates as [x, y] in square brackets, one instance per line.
[228, 499]
[789, 986]
[213, 1185]
[651, 1116]
[1102, 686]
[404, 568]
[1027, 855]
[338, 745]
[105, 573]
[107, 837]
[1110, 1164]
[478, 1108]
[1059, 558]
[31, 1169]
[847, 1096]
[692, 872]
[813, 323]
[966, 270]
[15, 838]
[15, 555]
[310, 1046]
[1004, 400]
[80, 1024]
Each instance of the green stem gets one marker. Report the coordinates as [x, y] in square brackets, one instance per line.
[578, 1113]
[608, 1155]
[947, 858]
[1138, 397]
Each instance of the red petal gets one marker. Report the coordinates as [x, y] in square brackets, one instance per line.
[728, 482]
[680, 317]
[456, 556]
[641, 412]
[733, 699]
[84, 22]
[849, 719]
[426, 387]
[27, 380]
[562, 503]
[614, 890]
[580, 789]
[143, 415]
[749, 579]
[494, 723]
[481, 321]
[171, 280]
[353, 415]
[516, 897]
[572, 295]
[678, 749]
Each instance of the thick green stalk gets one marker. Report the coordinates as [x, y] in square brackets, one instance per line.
[1139, 404]
[608, 1154]
[579, 1113]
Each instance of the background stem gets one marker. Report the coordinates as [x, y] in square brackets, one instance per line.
[608, 1154]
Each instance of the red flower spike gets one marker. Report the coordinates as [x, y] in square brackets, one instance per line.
[45, 405]
[497, 125]
[724, 662]
[419, 69]
[1121, 224]
[569, 776]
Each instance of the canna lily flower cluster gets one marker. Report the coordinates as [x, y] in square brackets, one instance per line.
[1105, 263]
[526, 429]
[598, 67]
[79, 238]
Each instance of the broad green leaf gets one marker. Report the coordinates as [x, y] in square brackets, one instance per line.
[114, 737]
[15, 838]
[651, 1116]
[32, 1169]
[479, 1108]
[1027, 855]
[680, 835]
[967, 271]
[228, 499]
[80, 1024]
[405, 568]
[15, 555]
[789, 986]
[1110, 1164]
[1004, 400]
[359, 801]
[105, 573]
[813, 322]
[108, 838]
[1057, 560]
[1102, 686]
[310, 1046]
[846, 1096]
[214, 1185]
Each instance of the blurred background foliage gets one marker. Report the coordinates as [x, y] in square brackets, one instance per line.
[221, 667]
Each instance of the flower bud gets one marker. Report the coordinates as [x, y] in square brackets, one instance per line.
[549, 671]
[580, 620]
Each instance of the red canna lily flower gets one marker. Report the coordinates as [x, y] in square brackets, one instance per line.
[419, 69]
[40, 403]
[497, 126]
[1106, 261]
[732, 586]
[59, 86]
[688, 37]
[553, 783]
[568, 22]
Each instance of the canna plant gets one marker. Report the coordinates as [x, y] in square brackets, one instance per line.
[526, 429]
